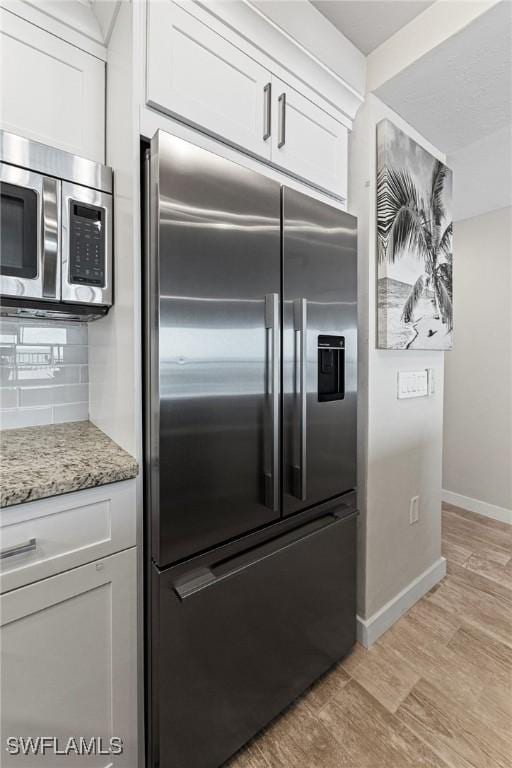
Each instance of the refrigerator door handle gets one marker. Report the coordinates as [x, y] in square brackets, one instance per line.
[300, 325]
[272, 326]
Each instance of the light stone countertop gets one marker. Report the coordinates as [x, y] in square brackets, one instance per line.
[37, 462]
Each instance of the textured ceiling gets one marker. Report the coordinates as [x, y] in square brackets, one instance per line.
[461, 90]
[367, 23]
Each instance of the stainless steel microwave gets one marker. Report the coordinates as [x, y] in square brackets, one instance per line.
[55, 232]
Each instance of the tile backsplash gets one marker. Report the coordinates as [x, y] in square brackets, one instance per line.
[43, 372]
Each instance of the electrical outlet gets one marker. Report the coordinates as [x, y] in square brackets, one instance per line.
[414, 510]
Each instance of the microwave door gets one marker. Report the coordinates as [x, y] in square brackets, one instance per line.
[29, 235]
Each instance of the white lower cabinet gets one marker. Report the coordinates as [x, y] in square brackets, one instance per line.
[69, 665]
[308, 142]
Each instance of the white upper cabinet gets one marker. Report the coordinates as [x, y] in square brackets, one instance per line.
[197, 76]
[200, 75]
[50, 91]
[306, 141]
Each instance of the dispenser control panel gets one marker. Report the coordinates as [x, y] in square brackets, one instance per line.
[331, 368]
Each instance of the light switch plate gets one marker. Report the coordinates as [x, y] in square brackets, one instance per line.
[412, 384]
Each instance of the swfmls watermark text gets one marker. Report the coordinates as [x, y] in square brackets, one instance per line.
[63, 747]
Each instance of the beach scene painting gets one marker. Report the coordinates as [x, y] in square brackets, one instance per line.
[414, 245]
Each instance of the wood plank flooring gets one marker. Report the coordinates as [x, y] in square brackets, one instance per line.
[435, 690]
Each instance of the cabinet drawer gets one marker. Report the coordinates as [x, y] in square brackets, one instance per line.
[42, 538]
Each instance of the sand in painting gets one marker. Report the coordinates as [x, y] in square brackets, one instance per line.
[425, 332]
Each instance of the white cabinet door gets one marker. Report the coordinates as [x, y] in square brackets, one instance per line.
[50, 91]
[199, 77]
[69, 664]
[307, 142]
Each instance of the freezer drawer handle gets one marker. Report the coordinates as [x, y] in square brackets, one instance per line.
[267, 113]
[204, 577]
[18, 549]
[272, 326]
[300, 308]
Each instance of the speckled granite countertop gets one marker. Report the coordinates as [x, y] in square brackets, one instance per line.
[37, 462]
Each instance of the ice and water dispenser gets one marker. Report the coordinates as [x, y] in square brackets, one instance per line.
[331, 368]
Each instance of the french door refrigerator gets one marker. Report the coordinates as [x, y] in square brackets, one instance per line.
[250, 431]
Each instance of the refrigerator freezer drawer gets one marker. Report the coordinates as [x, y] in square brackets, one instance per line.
[233, 644]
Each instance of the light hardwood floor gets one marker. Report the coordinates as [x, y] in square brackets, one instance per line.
[435, 690]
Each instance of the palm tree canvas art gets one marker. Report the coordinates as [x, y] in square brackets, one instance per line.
[414, 245]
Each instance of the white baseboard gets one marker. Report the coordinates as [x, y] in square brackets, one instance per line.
[369, 630]
[480, 507]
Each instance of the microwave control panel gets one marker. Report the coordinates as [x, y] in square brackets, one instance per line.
[87, 244]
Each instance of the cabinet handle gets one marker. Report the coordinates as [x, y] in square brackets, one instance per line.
[18, 549]
[267, 111]
[282, 121]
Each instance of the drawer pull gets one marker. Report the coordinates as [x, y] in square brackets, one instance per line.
[19, 549]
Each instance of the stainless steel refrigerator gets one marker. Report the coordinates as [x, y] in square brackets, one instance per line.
[250, 392]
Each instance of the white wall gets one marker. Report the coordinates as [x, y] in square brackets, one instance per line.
[482, 175]
[114, 341]
[400, 441]
[477, 460]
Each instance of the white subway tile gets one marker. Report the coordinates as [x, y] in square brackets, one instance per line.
[25, 417]
[78, 334]
[57, 395]
[73, 412]
[67, 374]
[8, 397]
[72, 393]
[7, 375]
[43, 334]
[33, 396]
[74, 354]
[33, 376]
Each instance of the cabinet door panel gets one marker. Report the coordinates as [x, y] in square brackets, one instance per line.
[69, 661]
[199, 77]
[311, 144]
[51, 91]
